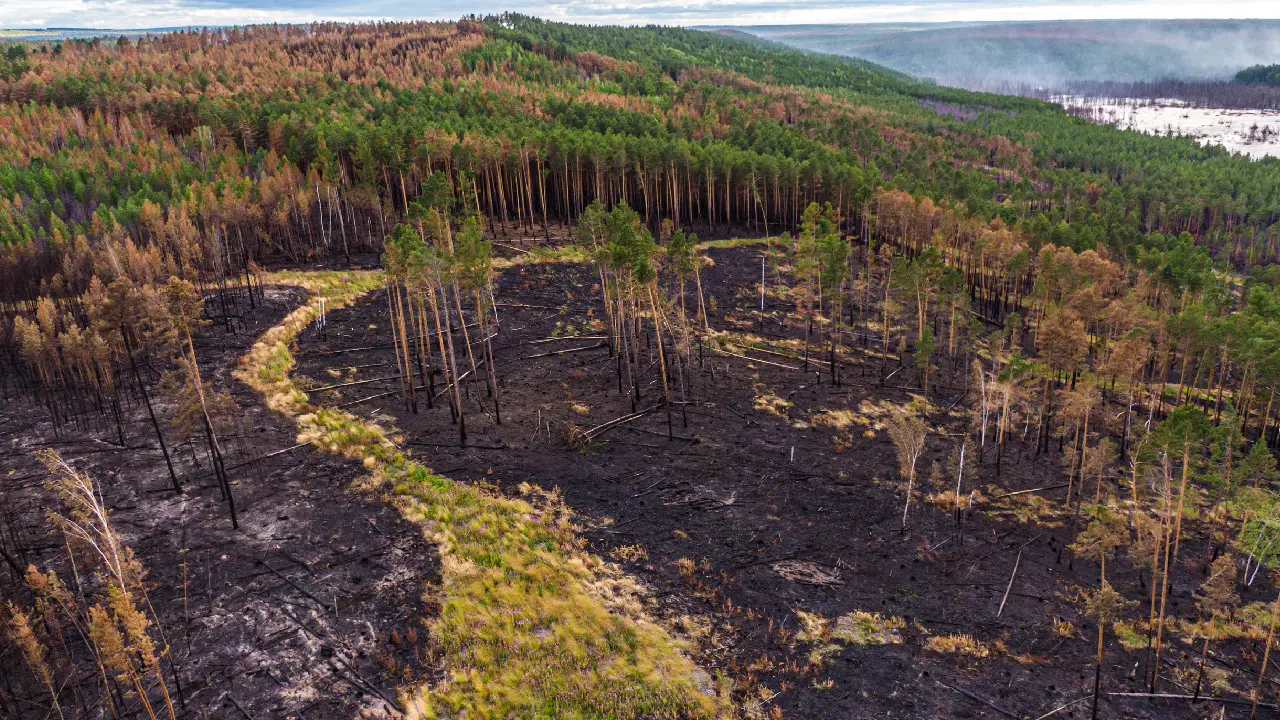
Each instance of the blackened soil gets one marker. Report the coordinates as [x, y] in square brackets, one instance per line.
[776, 515]
[292, 615]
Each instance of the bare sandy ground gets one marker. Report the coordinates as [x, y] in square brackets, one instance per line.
[1255, 133]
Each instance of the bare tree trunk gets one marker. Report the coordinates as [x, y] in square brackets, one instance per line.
[453, 370]
[146, 398]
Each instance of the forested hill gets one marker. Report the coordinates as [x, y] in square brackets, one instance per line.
[249, 145]
[672, 50]
[1260, 75]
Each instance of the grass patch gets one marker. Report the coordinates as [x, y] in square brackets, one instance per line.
[864, 628]
[964, 645]
[543, 254]
[768, 401]
[855, 628]
[820, 653]
[1028, 508]
[737, 242]
[530, 624]
[838, 419]
[1132, 636]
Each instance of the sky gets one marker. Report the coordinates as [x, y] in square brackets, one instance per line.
[169, 13]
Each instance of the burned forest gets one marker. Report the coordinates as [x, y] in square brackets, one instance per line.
[503, 368]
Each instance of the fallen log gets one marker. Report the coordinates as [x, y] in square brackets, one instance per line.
[597, 431]
[597, 346]
[723, 353]
[1060, 708]
[268, 456]
[239, 707]
[1031, 490]
[469, 446]
[526, 307]
[541, 341]
[1017, 561]
[353, 384]
[790, 357]
[1193, 698]
[978, 699]
[326, 606]
[371, 397]
[510, 247]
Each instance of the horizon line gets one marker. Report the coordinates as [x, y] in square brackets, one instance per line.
[691, 26]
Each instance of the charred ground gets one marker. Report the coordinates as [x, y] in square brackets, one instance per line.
[777, 505]
[293, 615]
[759, 508]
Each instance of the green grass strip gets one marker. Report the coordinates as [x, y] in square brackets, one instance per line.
[530, 624]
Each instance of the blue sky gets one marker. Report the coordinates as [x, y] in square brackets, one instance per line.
[164, 13]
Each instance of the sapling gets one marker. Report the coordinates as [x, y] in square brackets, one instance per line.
[1258, 468]
[1217, 598]
[1266, 655]
[1079, 406]
[1097, 460]
[962, 464]
[119, 629]
[889, 306]
[127, 307]
[918, 278]
[834, 273]
[681, 259]
[473, 261]
[1105, 533]
[20, 633]
[401, 248]
[908, 432]
[986, 401]
[923, 355]
[1185, 427]
[184, 305]
[1009, 391]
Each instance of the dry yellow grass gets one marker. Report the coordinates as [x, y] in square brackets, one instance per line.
[767, 401]
[856, 628]
[958, 645]
[838, 419]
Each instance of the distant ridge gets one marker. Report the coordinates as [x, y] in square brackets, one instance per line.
[72, 33]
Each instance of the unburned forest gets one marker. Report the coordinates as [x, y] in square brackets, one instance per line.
[510, 369]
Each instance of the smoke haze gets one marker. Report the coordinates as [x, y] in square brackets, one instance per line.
[1003, 55]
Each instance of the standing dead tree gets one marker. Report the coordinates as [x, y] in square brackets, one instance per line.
[184, 306]
[130, 311]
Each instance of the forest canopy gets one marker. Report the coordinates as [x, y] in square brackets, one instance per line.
[1260, 75]
[239, 131]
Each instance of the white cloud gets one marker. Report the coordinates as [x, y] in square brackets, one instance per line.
[167, 13]
[142, 14]
[778, 12]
